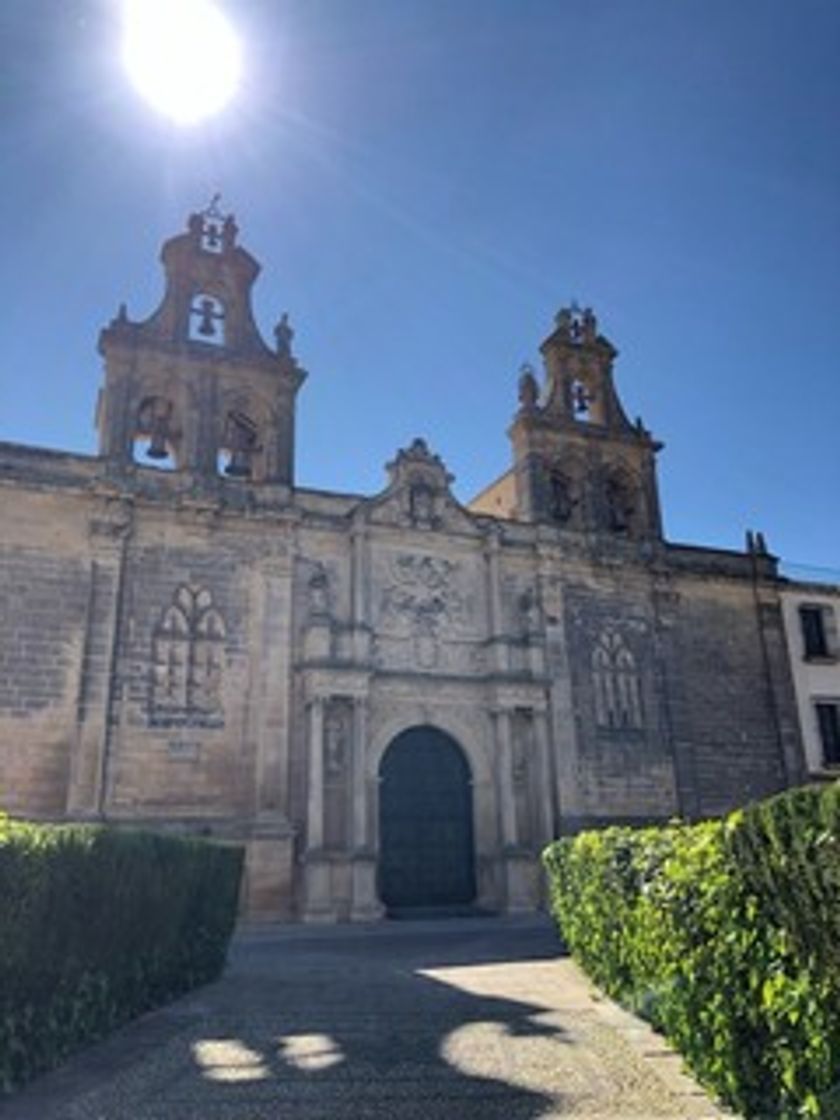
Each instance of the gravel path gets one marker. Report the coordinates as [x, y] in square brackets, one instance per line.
[466, 1018]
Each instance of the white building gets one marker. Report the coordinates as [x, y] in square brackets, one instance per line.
[811, 614]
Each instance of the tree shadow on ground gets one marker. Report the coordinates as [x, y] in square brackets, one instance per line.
[327, 1024]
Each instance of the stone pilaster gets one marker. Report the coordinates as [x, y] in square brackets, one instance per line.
[545, 778]
[315, 784]
[507, 806]
[88, 785]
[271, 716]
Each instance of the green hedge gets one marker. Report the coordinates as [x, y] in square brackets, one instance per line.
[726, 936]
[97, 925]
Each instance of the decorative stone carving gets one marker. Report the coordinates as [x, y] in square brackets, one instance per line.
[530, 615]
[114, 521]
[422, 595]
[422, 651]
[528, 389]
[319, 594]
[425, 642]
[188, 662]
[422, 501]
[283, 336]
[337, 739]
[520, 751]
[421, 481]
[616, 683]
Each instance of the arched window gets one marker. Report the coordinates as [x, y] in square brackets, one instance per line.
[562, 499]
[616, 683]
[240, 442]
[207, 320]
[188, 661]
[620, 502]
[155, 425]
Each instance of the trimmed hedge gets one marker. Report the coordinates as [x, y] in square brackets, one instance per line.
[726, 936]
[98, 925]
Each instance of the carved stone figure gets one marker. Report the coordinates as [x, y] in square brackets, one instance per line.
[528, 389]
[319, 593]
[283, 335]
[422, 505]
[336, 739]
[530, 616]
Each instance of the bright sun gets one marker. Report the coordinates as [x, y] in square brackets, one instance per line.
[182, 55]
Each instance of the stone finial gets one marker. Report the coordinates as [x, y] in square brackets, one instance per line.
[563, 319]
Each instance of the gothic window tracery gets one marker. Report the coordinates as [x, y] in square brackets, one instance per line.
[616, 683]
[188, 661]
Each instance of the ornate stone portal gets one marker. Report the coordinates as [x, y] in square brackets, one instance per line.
[196, 643]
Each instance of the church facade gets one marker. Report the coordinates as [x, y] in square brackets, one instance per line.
[393, 700]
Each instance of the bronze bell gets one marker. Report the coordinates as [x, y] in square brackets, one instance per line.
[239, 464]
[157, 448]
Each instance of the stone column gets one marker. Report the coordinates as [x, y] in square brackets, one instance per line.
[520, 875]
[365, 905]
[273, 683]
[358, 537]
[318, 904]
[315, 791]
[548, 826]
[269, 855]
[500, 653]
[563, 736]
[359, 815]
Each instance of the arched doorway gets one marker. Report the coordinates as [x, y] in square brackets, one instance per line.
[425, 822]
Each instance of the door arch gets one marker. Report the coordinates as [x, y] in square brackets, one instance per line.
[426, 849]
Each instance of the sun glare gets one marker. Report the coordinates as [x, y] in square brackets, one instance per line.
[182, 56]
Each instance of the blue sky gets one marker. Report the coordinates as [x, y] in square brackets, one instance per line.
[425, 183]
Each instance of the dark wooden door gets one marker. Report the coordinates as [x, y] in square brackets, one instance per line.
[425, 822]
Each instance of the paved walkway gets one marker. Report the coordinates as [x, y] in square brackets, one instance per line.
[460, 1019]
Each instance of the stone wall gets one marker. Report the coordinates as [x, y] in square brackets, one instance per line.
[44, 597]
[220, 665]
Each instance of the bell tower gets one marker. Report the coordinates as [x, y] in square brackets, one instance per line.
[578, 461]
[195, 387]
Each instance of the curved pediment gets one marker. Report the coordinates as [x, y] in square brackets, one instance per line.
[419, 495]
